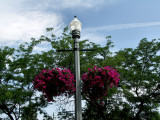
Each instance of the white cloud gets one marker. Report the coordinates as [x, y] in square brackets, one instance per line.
[64, 4]
[23, 26]
[19, 22]
[99, 39]
[39, 49]
[122, 26]
[23, 19]
[9, 6]
[82, 3]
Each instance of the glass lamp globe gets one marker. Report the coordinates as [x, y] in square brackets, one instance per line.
[75, 25]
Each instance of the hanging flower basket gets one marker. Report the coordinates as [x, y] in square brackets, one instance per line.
[97, 81]
[54, 82]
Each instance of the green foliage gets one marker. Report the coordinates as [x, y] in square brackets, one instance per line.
[139, 85]
[136, 98]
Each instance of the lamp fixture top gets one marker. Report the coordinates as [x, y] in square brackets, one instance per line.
[75, 24]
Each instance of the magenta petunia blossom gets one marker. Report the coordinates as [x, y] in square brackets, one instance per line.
[97, 81]
[54, 82]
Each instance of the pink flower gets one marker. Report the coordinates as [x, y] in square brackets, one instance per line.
[103, 73]
[54, 82]
[99, 79]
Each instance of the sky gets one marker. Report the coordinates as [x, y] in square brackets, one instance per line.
[127, 21]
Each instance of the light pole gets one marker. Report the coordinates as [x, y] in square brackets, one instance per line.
[75, 27]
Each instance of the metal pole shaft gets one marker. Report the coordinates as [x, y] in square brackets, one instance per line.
[78, 111]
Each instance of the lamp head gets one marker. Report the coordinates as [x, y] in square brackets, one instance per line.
[75, 27]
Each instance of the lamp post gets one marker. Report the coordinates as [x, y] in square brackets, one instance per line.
[75, 27]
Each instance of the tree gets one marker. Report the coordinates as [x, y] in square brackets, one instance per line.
[141, 86]
[137, 96]
[19, 66]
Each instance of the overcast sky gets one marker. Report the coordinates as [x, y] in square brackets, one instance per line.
[127, 21]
